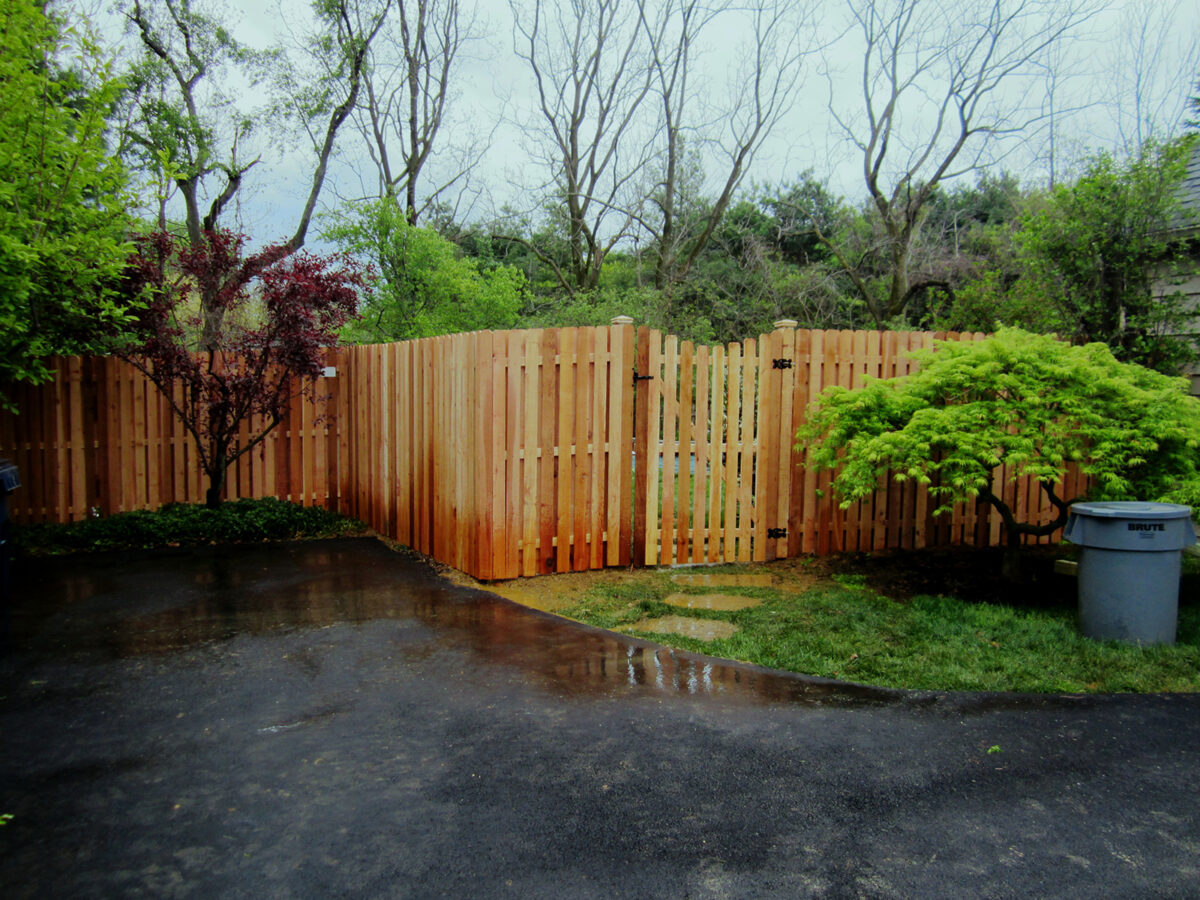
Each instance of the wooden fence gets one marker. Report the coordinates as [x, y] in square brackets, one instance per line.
[519, 452]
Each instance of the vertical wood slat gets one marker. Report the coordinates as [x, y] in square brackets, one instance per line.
[547, 395]
[567, 441]
[497, 375]
[700, 478]
[598, 496]
[651, 474]
[684, 526]
[480, 523]
[582, 433]
[531, 409]
[667, 457]
[641, 450]
[513, 434]
[716, 472]
[733, 397]
[623, 336]
[766, 482]
[800, 537]
[748, 452]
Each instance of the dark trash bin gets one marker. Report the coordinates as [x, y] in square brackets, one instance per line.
[1130, 558]
[10, 480]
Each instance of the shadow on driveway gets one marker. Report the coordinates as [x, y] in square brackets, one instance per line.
[332, 719]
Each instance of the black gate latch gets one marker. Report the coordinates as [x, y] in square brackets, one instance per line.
[781, 364]
[773, 533]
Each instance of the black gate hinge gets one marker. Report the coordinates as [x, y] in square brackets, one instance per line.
[637, 377]
[781, 364]
[773, 533]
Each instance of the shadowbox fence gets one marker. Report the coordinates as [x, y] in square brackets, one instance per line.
[521, 452]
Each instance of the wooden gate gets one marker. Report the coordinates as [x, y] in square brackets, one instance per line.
[722, 480]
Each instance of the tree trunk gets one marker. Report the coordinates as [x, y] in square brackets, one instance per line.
[216, 486]
[1011, 569]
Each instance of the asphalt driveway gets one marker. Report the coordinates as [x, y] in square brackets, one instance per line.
[331, 719]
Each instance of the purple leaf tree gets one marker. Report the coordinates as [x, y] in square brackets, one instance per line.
[277, 311]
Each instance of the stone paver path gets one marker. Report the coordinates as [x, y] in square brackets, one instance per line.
[722, 602]
[700, 629]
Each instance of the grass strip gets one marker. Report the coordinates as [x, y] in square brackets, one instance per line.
[845, 631]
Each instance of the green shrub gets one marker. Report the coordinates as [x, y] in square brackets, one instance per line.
[184, 523]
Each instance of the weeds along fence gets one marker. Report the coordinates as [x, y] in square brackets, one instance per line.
[520, 452]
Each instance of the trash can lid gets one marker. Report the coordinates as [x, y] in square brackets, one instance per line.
[1132, 509]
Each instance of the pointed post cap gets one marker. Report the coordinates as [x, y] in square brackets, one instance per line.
[786, 323]
[622, 320]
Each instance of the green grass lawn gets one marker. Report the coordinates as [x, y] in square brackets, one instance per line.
[840, 629]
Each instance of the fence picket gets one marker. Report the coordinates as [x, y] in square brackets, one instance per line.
[669, 453]
[716, 444]
[564, 476]
[684, 526]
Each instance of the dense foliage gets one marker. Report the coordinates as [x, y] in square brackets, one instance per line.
[1017, 399]
[63, 220]
[426, 285]
[1093, 251]
[183, 523]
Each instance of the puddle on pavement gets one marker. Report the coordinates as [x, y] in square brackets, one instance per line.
[721, 602]
[700, 629]
[163, 603]
[700, 579]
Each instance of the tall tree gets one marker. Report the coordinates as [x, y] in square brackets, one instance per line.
[406, 92]
[1149, 59]
[766, 79]
[63, 196]
[198, 146]
[942, 84]
[589, 64]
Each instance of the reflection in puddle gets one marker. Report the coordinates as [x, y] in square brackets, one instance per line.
[700, 629]
[160, 603]
[722, 602]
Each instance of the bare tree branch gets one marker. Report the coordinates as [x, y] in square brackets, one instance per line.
[962, 72]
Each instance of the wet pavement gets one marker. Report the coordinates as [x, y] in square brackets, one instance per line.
[332, 719]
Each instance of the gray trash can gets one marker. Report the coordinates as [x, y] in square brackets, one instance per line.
[1129, 567]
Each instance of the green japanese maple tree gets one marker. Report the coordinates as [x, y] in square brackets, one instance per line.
[1023, 400]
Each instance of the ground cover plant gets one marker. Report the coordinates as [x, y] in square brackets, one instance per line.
[835, 619]
[179, 524]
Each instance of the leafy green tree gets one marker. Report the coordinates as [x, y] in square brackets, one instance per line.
[426, 286]
[63, 225]
[1026, 401]
[1093, 250]
[184, 129]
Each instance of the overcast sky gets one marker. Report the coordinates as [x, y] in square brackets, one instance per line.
[495, 94]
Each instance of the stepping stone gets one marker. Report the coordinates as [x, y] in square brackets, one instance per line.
[724, 602]
[701, 629]
[734, 580]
